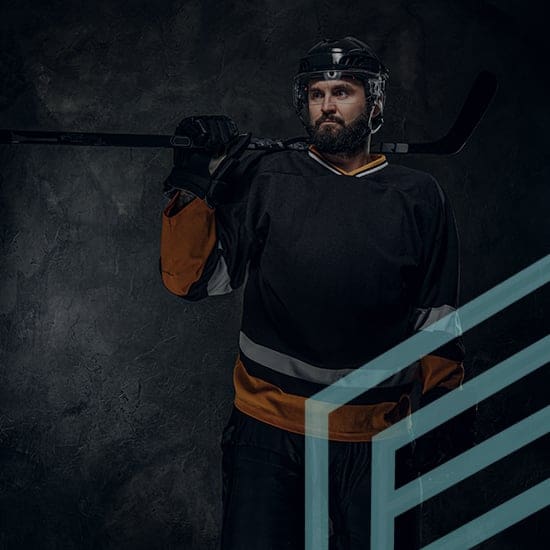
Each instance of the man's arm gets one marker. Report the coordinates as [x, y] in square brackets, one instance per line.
[442, 370]
[205, 243]
[188, 246]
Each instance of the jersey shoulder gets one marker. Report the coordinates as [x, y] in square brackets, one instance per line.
[287, 161]
[412, 181]
[253, 163]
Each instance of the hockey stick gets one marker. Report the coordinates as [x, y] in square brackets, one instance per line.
[470, 115]
[478, 100]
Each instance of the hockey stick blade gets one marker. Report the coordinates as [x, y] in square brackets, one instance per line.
[475, 106]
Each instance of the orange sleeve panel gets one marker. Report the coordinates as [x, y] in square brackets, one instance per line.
[187, 239]
[440, 372]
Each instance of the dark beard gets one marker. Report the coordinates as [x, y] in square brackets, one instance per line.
[346, 140]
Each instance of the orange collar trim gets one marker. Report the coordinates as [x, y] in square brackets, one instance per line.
[379, 161]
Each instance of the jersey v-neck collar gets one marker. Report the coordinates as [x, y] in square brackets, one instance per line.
[374, 165]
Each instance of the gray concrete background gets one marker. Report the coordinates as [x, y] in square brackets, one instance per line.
[112, 391]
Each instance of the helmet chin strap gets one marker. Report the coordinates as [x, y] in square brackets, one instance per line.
[367, 145]
[375, 103]
[371, 131]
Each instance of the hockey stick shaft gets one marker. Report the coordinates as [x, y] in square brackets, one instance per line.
[38, 137]
[470, 115]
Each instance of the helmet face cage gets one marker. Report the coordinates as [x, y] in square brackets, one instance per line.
[374, 84]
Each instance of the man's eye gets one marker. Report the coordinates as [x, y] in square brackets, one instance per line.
[341, 93]
[315, 95]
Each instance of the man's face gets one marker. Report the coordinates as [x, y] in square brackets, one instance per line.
[338, 115]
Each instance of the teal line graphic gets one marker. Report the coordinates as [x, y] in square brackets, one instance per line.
[448, 474]
[369, 375]
[481, 455]
[498, 377]
[495, 520]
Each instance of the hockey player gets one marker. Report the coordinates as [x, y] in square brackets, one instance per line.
[344, 256]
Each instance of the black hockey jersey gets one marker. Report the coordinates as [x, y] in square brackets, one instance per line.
[339, 267]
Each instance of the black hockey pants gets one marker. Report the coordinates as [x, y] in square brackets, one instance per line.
[263, 491]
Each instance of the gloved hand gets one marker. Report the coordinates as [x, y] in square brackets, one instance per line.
[204, 172]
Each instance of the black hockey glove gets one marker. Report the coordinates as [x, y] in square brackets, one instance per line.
[205, 172]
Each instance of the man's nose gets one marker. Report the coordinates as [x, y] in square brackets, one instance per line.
[328, 104]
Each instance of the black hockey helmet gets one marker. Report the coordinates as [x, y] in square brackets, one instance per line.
[345, 57]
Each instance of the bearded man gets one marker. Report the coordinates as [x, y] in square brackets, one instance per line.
[344, 256]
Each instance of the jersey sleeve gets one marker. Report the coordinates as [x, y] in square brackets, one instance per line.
[443, 369]
[205, 251]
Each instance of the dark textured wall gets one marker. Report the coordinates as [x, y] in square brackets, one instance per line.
[112, 391]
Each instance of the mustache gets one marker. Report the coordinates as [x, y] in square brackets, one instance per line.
[328, 119]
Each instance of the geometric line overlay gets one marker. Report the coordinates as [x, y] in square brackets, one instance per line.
[497, 519]
[475, 459]
[388, 503]
[385, 500]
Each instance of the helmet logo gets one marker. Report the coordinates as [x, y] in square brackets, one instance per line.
[332, 75]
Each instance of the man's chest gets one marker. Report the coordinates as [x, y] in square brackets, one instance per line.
[339, 236]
